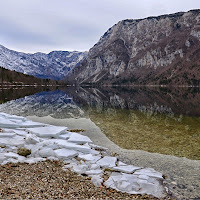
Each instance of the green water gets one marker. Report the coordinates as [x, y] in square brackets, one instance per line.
[158, 120]
[157, 133]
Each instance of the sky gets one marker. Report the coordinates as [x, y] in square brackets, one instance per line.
[46, 25]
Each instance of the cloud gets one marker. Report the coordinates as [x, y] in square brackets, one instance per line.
[45, 25]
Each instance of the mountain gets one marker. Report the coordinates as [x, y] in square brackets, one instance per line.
[162, 50]
[170, 101]
[55, 65]
[56, 104]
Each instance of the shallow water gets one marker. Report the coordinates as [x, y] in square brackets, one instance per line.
[133, 129]
[182, 174]
[162, 121]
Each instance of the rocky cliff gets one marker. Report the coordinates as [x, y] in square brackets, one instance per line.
[55, 65]
[156, 50]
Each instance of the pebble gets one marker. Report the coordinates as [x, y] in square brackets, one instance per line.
[47, 180]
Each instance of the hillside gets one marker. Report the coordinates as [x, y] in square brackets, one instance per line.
[55, 65]
[8, 77]
[163, 50]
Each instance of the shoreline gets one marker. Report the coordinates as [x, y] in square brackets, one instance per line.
[182, 173]
[29, 142]
[52, 182]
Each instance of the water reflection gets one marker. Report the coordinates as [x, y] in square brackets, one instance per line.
[152, 119]
[162, 120]
[179, 101]
[11, 93]
[56, 104]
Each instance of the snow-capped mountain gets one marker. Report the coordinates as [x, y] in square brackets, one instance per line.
[56, 104]
[55, 65]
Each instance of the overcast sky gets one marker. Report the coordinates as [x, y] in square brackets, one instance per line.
[46, 25]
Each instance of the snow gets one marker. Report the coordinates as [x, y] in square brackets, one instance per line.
[55, 65]
[77, 152]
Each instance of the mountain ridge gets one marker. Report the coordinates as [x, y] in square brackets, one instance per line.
[162, 50]
[54, 65]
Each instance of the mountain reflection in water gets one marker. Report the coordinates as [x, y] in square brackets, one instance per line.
[162, 120]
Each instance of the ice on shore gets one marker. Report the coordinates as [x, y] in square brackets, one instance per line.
[79, 139]
[129, 169]
[77, 151]
[107, 161]
[89, 157]
[12, 121]
[48, 131]
[65, 153]
[133, 184]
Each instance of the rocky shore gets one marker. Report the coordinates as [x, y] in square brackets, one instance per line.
[47, 180]
[63, 164]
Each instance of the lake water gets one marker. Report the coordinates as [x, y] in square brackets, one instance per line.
[146, 126]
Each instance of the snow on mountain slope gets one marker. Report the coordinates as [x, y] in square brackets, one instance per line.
[55, 65]
[56, 104]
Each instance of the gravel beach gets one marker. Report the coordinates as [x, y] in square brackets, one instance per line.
[47, 180]
[183, 174]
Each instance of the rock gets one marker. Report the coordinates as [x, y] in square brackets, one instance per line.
[23, 151]
[144, 51]
[55, 65]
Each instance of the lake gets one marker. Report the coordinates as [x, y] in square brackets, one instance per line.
[155, 127]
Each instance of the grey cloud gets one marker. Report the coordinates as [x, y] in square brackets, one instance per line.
[12, 33]
[38, 25]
